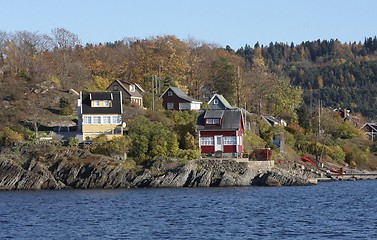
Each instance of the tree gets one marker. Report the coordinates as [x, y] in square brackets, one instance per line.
[223, 78]
[151, 139]
[69, 67]
[65, 107]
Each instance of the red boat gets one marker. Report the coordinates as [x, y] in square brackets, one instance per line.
[307, 159]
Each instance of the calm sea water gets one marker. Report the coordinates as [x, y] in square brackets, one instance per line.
[338, 210]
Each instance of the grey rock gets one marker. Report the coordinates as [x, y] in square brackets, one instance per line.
[71, 168]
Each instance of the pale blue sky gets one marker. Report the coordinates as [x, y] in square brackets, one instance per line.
[234, 22]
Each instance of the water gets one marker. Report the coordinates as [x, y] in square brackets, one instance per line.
[338, 210]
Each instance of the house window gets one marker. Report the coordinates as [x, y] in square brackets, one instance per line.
[215, 101]
[106, 103]
[87, 120]
[116, 120]
[132, 88]
[106, 119]
[230, 140]
[206, 141]
[170, 106]
[213, 121]
[96, 120]
[184, 106]
[96, 103]
[115, 87]
[170, 93]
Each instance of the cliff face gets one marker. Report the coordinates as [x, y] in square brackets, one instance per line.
[80, 169]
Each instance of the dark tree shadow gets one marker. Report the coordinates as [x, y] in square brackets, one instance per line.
[54, 111]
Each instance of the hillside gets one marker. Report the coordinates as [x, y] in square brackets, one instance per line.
[283, 80]
[342, 75]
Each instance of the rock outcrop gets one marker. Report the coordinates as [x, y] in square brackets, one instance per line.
[80, 169]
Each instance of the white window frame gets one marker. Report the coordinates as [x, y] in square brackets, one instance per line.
[106, 103]
[230, 140]
[95, 103]
[184, 106]
[96, 118]
[213, 121]
[116, 120]
[206, 141]
[170, 93]
[215, 101]
[170, 105]
[87, 120]
[115, 88]
[106, 120]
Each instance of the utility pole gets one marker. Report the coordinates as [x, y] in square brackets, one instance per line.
[153, 78]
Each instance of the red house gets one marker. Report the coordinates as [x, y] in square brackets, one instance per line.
[221, 132]
[175, 99]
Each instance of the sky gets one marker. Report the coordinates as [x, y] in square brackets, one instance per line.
[222, 22]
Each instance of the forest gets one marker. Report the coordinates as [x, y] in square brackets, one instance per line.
[341, 75]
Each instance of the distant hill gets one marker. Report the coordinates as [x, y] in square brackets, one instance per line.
[340, 74]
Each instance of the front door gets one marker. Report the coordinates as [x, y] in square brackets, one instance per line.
[218, 143]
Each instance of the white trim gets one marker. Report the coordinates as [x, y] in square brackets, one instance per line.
[216, 144]
[212, 98]
[121, 102]
[164, 92]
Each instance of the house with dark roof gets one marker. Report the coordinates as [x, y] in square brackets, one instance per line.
[175, 99]
[131, 92]
[100, 113]
[218, 102]
[273, 121]
[370, 130]
[221, 132]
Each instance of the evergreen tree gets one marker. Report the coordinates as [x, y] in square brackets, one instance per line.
[65, 107]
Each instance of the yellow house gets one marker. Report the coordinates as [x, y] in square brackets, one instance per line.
[100, 113]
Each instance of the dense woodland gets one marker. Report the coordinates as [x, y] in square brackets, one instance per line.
[281, 79]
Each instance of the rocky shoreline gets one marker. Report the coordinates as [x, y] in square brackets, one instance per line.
[27, 169]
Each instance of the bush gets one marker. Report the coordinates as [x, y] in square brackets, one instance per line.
[72, 142]
[336, 153]
[252, 141]
[189, 154]
[9, 137]
[117, 145]
[356, 157]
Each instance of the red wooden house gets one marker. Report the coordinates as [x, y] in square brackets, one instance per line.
[175, 99]
[221, 132]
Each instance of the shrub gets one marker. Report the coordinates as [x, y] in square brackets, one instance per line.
[189, 154]
[252, 141]
[72, 142]
[118, 145]
[65, 107]
[356, 157]
[336, 153]
[9, 137]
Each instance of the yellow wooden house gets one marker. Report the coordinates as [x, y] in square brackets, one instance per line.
[100, 113]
